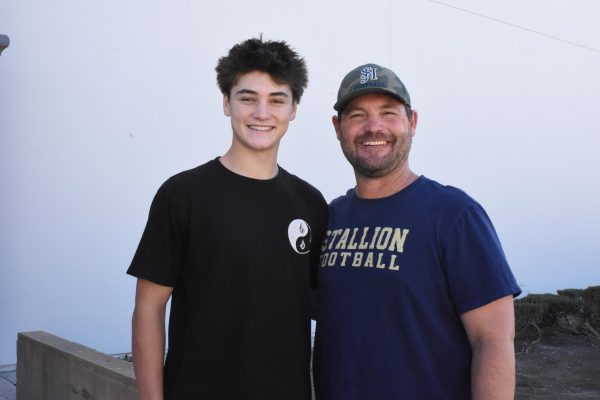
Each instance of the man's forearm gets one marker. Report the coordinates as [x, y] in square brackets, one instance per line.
[493, 370]
[148, 353]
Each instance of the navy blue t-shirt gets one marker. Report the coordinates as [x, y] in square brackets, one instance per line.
[396, 274]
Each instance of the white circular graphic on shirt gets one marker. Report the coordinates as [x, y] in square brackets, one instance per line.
[299, 235]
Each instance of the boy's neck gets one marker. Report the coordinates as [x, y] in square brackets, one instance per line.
[251, 165]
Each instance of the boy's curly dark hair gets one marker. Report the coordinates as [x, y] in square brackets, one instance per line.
[276, 58]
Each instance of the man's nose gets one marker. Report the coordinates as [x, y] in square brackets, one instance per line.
[373, 123]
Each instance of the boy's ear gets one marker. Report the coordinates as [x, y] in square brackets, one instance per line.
[226, 106]
[293, 113]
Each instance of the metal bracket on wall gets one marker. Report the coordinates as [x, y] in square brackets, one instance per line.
[4, 42]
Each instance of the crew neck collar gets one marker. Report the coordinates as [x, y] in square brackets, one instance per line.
[235, 175]
[403, 192]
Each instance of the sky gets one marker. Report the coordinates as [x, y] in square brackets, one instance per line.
[100, 102]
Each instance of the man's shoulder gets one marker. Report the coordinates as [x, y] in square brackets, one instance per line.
[338, 201]
[448, 202]
[448, 194]
[427, 192]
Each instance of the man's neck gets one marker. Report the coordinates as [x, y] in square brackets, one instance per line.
[251, 164]
[376, 188]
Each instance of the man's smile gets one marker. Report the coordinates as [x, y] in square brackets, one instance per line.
[374, 143]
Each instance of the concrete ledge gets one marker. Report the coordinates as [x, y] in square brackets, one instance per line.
[52, 368]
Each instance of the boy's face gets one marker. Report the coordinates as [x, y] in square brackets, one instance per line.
[260, 111]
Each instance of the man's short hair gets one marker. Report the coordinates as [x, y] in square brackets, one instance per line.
[276, 58]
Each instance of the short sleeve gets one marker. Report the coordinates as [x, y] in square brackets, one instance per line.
[477, 270]
[160, 254]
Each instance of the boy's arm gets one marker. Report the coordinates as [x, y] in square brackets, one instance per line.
[148, 337]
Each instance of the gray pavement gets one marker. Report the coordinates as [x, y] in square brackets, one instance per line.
[8, 381]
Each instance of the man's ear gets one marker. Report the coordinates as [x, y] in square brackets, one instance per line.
[413, 123]
[336, 126]
[226, 106]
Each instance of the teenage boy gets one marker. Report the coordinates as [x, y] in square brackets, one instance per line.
[234, 244]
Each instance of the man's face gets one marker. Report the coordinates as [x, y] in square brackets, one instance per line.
[375, 134]
[260, 111]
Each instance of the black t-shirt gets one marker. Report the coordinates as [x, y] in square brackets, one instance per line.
[242, 255]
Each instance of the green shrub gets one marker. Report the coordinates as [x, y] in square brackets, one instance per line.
[548, 308]
[526, 313]
[591, 298]
[576, 294]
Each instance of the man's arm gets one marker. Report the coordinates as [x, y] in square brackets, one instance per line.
[491, 332]
[148, 337]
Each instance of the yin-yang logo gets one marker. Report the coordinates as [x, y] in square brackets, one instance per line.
[300, 236]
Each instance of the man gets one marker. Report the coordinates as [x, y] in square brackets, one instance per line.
[235, 244]
[415, 291]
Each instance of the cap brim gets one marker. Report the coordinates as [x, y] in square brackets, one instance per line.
[339, 106]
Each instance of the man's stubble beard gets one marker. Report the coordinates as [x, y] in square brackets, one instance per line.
[383, 166]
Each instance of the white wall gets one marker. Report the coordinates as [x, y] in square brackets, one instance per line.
[101, 101]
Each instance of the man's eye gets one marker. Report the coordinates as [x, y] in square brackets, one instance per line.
[246, 99]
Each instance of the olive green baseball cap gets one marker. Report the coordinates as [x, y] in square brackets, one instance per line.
[370, 78]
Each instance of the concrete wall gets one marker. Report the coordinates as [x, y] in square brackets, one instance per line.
[52, 368]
